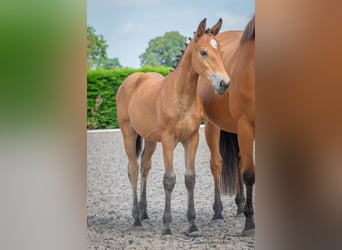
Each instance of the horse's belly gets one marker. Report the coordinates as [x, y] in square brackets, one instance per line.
[150, 135]
[144, 122]
[224, 122]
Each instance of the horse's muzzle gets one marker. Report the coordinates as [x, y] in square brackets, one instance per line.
[223, 86]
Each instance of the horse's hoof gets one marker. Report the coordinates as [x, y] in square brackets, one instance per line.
[167, 232]
[137, 223]
[239, 215]
[193, 231]
[217, 217]
[193, 228]
[249, 232]
[144, 217]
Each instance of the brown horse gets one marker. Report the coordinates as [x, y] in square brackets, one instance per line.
[168, 110]
[233, 112]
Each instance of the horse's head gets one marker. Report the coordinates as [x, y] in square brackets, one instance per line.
[207, 56]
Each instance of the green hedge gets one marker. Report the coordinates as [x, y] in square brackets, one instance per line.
[102, 86]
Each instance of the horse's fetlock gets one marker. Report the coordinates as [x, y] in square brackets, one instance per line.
[169, 182]
[189, 181]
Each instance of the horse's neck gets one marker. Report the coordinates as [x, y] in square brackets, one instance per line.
[243, 55]
[185, 78]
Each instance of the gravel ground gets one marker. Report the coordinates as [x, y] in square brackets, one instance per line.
[110, 202]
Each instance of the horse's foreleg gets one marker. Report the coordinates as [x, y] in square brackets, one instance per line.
[190, 148]
[133, 172]
[212, 136]
[145, 168]
[245, 138]
[169, 180]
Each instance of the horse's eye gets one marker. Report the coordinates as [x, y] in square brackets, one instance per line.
[203, 53]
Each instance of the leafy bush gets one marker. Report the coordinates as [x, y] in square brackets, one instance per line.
[102, 86]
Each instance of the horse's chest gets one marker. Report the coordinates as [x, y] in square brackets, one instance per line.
[180, 121]
[187, 125]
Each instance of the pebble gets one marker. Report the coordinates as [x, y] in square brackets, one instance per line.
[110, 202]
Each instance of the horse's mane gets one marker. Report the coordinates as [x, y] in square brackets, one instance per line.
[179, 57]
[249, 32]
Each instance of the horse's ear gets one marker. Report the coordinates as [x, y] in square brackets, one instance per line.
[216, 28]
[201, 29]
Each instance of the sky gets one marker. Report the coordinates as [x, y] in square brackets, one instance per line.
[128, 25]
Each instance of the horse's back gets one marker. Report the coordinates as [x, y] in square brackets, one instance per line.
[135, 80]
[225, 38]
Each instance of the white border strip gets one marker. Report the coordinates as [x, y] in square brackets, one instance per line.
[113, 130]
[103, 130]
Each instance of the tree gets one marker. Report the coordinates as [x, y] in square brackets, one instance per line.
[163, 50]
[97, 52]
[97, 46]
[111, 63]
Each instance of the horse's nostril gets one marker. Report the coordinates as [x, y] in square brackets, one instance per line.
[221, 83]
[224, 84]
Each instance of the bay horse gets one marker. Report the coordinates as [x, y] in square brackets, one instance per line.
[230, 124]
[168, 110]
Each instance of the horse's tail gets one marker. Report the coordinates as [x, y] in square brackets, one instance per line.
[229, 150]
[138, 145]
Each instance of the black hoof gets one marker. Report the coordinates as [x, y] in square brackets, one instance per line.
[193, 231]
[145, 216]
[217, 217]
[137, 223]
[167, 232]
[193, 228]
[249, 232]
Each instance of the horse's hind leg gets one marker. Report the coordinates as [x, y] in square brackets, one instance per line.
[212, 135]
[240, 195]
[190, 148]
[130, 140]
[145, 168]
[246, 137]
